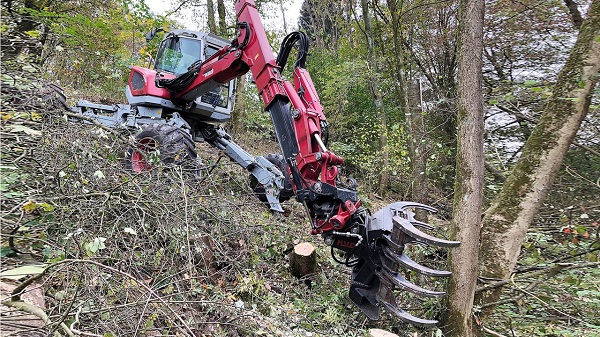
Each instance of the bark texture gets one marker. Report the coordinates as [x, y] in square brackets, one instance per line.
[239, 113]
[222, 18]
[210, 8]
[468, 187]
[507, 220]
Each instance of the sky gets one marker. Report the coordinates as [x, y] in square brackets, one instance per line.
[273, 18]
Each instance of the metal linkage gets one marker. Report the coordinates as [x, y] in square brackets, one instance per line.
[267, 174]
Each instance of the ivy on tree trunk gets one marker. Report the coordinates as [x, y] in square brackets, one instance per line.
[513, 210]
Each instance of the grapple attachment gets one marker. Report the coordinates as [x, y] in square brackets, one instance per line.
[382, 251]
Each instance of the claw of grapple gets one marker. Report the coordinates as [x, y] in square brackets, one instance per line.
[402, 283]
[403, 205]
[405, 316]
[365, 300]
[423, 225]
[407, 262]
[407, 227]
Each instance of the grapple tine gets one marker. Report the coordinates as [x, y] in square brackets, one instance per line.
[365, 300]
[413, 232]
[407, 262]
[402, 283]
[422, 225]
[403, 205]
[405, 316]
[380, 253]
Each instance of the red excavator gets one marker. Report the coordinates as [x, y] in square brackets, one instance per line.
[191, 89]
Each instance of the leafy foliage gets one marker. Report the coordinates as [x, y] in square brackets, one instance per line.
[67, 202]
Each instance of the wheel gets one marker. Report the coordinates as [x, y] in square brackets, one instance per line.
[287, 192]
[172, 145]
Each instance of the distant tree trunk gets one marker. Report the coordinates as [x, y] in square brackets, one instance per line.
[575, 14]
[409, 95]
[416, 147]
[238, 115]
[222, 19]
[468, 186]
[212, 25]
[512, 211]
[24, 22]
[377, 98]
[283, 16]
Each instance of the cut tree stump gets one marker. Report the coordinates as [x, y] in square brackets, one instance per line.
[303, 260]
[381, 333]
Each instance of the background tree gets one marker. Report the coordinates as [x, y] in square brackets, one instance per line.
[222, 18]
[210, 10]
[376, 96]
[514, 208]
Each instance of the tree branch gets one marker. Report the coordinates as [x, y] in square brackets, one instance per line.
[575, 13]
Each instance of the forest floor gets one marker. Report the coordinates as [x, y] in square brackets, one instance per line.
[114, 253]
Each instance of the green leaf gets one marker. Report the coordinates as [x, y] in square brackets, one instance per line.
[130, 230]
[7, 252]
[530, 83]
[20, 272]
[33, 33]
[25, 129]
[29, 68]
[97, 244]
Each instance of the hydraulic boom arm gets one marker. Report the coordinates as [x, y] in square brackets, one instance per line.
[374, 244]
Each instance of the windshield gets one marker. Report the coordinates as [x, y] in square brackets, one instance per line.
[176, 54]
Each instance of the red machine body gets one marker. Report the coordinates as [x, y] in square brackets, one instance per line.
[314, 163]
[141, 83]
[373, 244]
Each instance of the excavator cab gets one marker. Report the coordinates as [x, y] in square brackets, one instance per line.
[178, 51]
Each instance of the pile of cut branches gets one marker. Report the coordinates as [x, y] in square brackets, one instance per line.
[117, 253]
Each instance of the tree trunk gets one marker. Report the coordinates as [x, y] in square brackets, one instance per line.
[416, 148]
[222, 18]
[212, 25]
[23, 23]
[303, 261]
[237, 117]
[409, 94]
[511, 213]
[377, 98]
[381, 333]
[285, 30]
[468, 186]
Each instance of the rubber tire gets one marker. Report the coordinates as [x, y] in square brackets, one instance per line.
[287, 192]
[175, 145]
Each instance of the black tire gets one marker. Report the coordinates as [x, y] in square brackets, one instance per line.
[287, 192]
[172, 144]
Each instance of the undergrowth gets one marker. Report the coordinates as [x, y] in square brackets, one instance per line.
[158, 253]
[165, 253]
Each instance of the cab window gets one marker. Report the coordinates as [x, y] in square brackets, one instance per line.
[176, 54]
